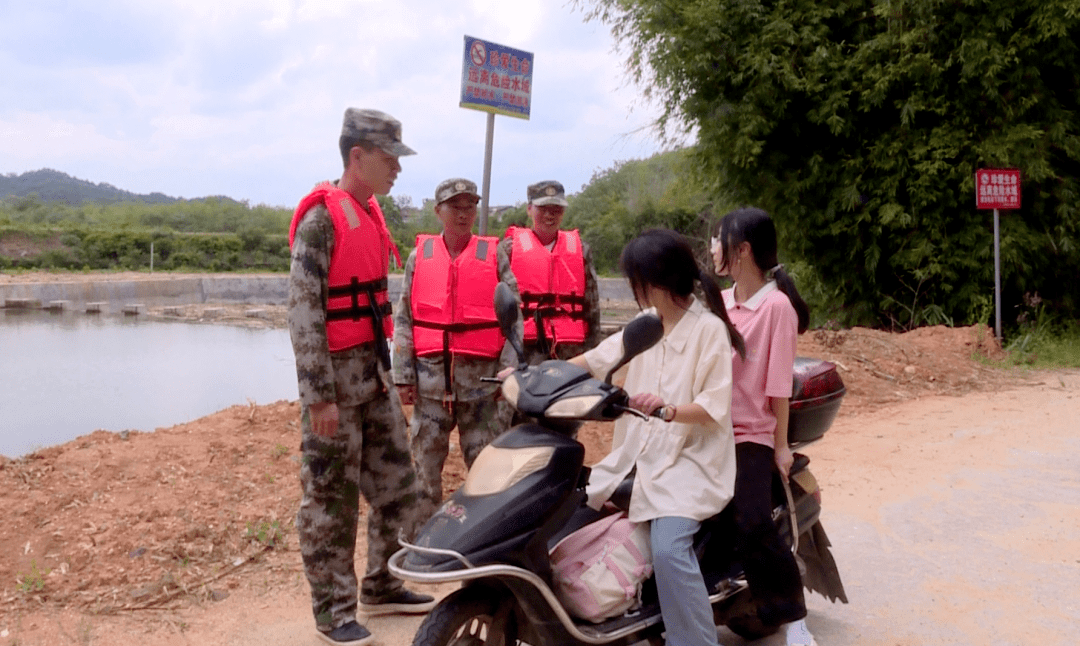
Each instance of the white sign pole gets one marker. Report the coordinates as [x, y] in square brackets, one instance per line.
[489, 140]
[997, 278]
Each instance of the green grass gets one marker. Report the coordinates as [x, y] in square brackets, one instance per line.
[1044, 343]
[34, 581]
[268, 533]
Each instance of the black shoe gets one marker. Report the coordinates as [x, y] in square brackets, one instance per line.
[350, 634]
[401, 601]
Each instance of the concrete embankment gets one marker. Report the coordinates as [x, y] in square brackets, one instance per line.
[267, 290]
[114, 295]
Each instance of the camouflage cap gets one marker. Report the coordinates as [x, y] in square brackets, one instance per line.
[377, 127]
[547, 192]
[453, 187]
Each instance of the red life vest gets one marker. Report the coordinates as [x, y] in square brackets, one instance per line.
[551, 282]
[358, 267]
[451, 299]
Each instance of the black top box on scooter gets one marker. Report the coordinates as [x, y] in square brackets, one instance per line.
[815, 399]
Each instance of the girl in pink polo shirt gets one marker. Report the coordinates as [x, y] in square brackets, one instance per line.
[768, 312]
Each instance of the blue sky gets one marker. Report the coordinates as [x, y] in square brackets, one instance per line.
[244, 98]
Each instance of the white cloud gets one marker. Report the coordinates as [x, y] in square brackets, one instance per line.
[244, 97]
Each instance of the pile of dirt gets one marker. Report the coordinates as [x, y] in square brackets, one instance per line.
[17, 245]
[130, 520]
[881, 367]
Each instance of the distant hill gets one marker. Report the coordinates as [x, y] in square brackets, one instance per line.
[53, 186]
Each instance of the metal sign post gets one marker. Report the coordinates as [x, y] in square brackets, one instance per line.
[489, 140]
[997, 188]
[997, 277]
[498, 80]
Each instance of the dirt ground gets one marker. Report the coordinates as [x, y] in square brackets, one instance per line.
[157, 536]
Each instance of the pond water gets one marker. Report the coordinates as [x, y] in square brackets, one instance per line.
[63, 375]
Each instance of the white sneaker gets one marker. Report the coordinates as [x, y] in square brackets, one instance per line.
[799, 635]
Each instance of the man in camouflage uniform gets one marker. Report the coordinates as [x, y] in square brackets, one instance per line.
[546, 207]
[444, 382]
[354, 431]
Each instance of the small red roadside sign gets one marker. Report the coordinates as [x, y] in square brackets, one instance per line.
[997, 188]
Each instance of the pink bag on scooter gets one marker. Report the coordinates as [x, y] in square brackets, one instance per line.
[598, 570]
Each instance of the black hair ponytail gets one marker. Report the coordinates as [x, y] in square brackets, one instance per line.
[787, 285]
[753, 225]
[715, 301]
[663, 258]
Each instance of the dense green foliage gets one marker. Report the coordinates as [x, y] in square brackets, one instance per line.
[859, 126]
[88, 248]
[211, 215]
[211, 234]
[1042, 341]
[620, 202]
[206, 235]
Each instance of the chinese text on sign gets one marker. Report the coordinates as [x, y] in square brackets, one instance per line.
[496, 78]
[997, 188]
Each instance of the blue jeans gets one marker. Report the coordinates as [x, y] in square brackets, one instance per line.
[684, 601]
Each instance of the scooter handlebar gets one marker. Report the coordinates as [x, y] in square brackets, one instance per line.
[632, 411]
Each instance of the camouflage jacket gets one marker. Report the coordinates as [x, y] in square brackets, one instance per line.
[349, 377]
[427, 373]
[591, 308]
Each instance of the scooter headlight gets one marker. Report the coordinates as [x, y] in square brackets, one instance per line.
[573, 407]
[497, 469]
[511, 388]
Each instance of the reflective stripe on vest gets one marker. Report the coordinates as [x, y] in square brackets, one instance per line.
[551, 283]
[451, 299]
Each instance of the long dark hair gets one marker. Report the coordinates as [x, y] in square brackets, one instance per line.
[663, 258]
[753, 225]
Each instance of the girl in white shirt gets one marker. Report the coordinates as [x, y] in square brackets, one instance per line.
[767, 310]
[685, 460]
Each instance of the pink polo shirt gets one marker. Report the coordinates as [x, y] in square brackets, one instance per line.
[769, 326]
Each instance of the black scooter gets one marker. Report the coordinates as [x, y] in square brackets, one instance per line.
[525, 492]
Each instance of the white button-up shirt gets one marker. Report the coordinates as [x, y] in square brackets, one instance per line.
[685, 470]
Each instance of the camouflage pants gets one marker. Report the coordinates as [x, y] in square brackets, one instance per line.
[563, 351]
[368, 455]
[478, 422]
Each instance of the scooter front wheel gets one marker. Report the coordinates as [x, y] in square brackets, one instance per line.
[467, 617]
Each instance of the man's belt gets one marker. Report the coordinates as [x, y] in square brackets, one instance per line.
[355, 311]
[447, 330]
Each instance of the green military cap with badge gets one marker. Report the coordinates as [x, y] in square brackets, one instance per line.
[376, 127]
[453, 187]
[547, 192]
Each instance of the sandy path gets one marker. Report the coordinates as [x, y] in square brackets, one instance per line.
[955, 520]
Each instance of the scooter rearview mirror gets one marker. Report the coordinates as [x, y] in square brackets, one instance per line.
[506, 312]
[638, 336]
